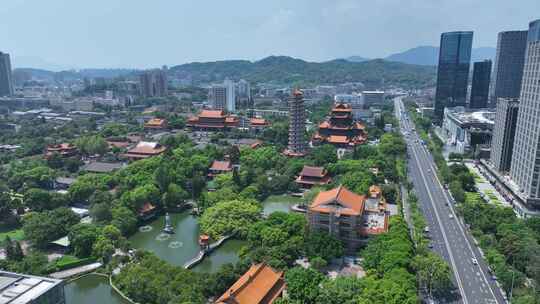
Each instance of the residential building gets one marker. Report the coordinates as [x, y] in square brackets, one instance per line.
[26, 289]
[212, 120]
[243, 89]
[230, 104]
[217, 96]
[452, 71]
[313, 176]
[480, 85]
[465, 129]
[525, 166]
[348, 216]
[154, 83]
[6, 81]
[504, 132]
[340, 129]
[508, 67]
[297, 125]
[372, 98]
[261, 284]
[144, 150]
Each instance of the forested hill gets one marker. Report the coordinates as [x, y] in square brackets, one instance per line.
[287, 70]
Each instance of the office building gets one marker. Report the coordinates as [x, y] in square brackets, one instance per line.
[508, 67]
[26, 289]
[525, 166]
[243, 89]
[154, 83]
[466, 129]
[372, 98]
[480, 85]
[6, 82]
[297, 125]
[452, 71]
[504, 132]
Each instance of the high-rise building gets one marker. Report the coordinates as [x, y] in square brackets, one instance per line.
[508, 67]
[504, 132]
[480, 85]
[217, 95]
[453, 71]
[243, 89]
[231, 95]
[154, 83]
[297, 125]
[525, 167]
[6, 82]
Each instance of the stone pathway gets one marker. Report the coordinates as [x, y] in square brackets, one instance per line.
[75, 271]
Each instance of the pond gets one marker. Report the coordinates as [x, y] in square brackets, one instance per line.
[280, 203]
[92, 289]
[182, 246]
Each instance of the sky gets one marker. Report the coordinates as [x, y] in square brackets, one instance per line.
[151, 33]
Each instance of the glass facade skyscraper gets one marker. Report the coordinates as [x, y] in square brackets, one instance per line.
[453, 71]
[508, 67]
[6, 82]
[525, 167]
[480, 85]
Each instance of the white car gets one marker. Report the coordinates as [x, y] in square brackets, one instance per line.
[474, 261]
[451, 216]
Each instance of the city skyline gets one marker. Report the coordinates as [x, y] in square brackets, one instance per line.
[110, 34]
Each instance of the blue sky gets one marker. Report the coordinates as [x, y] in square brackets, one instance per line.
[150, 33]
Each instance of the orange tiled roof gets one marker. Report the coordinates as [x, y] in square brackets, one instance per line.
[62, 146]
[147, 148]
[258, 121]
[156, 122]
[147, 207]
[338, 139]
[212, 114]
[259, 285]
[375, 191]
[231, 119]
[350, 202]
[313, 171]
[221, 166]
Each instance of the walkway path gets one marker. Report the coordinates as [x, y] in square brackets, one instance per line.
[200, 256]
[75, 271]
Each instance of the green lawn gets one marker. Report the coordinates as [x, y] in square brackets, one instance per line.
[16, 235]
[282, 198]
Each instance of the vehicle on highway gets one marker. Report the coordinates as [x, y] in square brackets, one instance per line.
[426, 229]
[474, 261]
[430, 245]
[451, 216]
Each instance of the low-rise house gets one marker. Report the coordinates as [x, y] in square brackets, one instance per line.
[219, 167]
[156, 124]
[348, 216]
[102, 167]
[63, 149]
[261, 284]
[144, 150]
[312, 176]
[258, 124]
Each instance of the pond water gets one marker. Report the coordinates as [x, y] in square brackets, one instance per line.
[92, 289]
[182, 246]
[279, 203]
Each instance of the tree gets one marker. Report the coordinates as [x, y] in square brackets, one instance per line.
[303, 284]
[91, 145]
[228, 217]
[43, 227]
[40, 200]
[323, 155]
[101, 212]
[82, 238]
[323, 245]
[103, 248]
[342, 290]
[457, 191]
[433, 272]
[174, 196]
[124, 219]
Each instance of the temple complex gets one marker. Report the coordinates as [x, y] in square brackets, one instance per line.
[312, 176]
[340, 129]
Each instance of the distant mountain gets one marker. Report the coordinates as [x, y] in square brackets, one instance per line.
[37, 63]
[357, 59]
[429, 55]
[47, 75]
[292, 71]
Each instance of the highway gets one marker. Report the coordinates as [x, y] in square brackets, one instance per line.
[449, 236]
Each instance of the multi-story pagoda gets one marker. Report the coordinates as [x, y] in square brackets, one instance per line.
[340, 129]
[297, 125]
